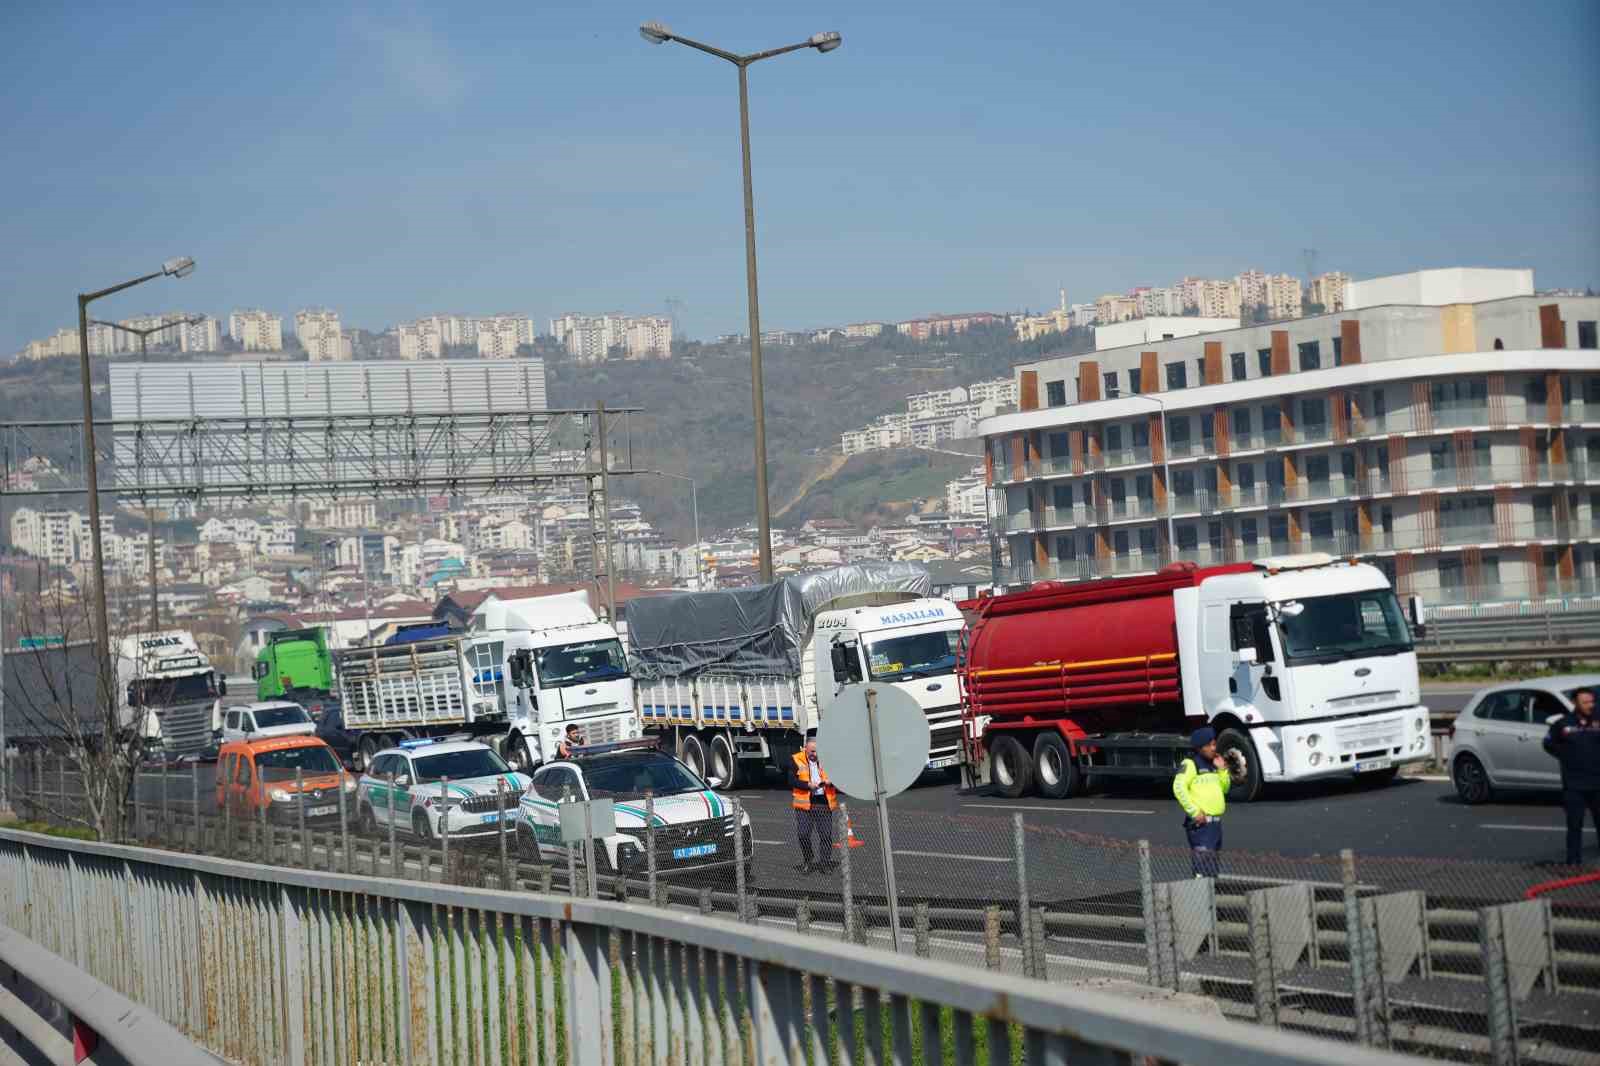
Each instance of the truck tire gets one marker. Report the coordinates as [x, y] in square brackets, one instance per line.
[724, 764]
[693, 754]
[1244, 767]
[1010, 767]
[366, 748]
[515, 753]
[1056, 774]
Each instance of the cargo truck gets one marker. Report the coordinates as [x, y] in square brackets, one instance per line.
[409, 690]
[168, 694]
[295, 665]
[1303, 664]
[732, 679]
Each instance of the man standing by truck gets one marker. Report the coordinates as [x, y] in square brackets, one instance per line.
[1574, 739]
[814, 802]
[1201, 787]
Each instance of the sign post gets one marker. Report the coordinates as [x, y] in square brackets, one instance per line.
[891, 760]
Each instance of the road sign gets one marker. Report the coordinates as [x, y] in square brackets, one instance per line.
[582, 822]
[845, 742]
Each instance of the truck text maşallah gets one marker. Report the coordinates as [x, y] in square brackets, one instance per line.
[1303, 664]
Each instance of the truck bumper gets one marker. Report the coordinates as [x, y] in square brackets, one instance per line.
[1305, 751]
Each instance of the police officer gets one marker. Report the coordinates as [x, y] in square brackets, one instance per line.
[815, 800]
[572, 740]
[1200, 788]
[1574, 739]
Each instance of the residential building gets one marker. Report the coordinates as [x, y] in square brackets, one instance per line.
[864, 330]
[202, 336]
[964, 496]
[499, 335]
[940, 325]
[1283, 296]
[49, 535]
[649, 337]
[1115, 308]
[1454, 442]
[1329, 290]
[1216, 299]
[593, 338]
[932, 417]
[321, 335]
[1438, 288]
[256, 331]
[1252, 286]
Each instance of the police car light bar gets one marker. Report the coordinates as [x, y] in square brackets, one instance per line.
[423, 742]
[641, 744]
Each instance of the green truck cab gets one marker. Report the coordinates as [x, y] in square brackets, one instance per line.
[294, 664]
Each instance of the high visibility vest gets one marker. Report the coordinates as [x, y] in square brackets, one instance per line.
[802, 796]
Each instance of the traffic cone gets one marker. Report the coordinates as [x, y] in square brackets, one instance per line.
[850, 837]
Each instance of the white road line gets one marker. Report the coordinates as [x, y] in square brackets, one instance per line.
[948, 855]
[780, 843]
[1529, 828]
[1054, 810]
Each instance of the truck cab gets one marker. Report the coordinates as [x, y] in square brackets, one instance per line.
[912, 646]
[549, 661]
[294, 664]
[168, 693]
[1306, 666]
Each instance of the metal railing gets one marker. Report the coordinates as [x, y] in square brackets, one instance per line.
[267, 965]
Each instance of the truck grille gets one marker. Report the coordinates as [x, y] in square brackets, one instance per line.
[1366, 736]
[186, 728]
[603, 731]
[491, 802]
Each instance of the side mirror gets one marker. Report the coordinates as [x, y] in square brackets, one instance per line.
[1419, 615]
[402, 780]
[222, 684]
[840, 659]
[1245, 655]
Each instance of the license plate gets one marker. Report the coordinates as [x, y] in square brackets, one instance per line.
[490, 818]
[943, 764]
[1372, 764]
[695, 852]
[319, 812]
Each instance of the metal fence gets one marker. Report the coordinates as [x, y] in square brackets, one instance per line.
[1449, 960]
[263, 966]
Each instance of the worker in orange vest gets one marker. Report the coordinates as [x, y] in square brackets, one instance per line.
[815, 800]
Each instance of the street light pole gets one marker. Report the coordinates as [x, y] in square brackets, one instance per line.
[694, 502]
[656, 33]
[177, 268]
[143, 333]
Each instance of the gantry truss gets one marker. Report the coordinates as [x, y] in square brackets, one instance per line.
[151, 460]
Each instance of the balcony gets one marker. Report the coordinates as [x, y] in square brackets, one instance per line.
[1514, 591]
[1057, 465]
[1020, 522]
[1315, 433]
[1457, 416]
[1076, 515]
[1127, 457]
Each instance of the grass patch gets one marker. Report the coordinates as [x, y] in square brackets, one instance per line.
[71, 832]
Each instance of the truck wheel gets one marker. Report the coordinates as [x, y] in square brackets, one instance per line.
[515, 753]
[366, 748]
[1055, 771]
[1243, 766]
[1010, 767]
[693, 754]
[724, 764]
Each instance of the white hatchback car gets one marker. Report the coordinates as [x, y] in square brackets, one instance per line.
[1499, 736]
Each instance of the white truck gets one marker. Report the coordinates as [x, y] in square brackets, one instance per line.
[734, 678]
[548, 662]
[167, 692]
[416, 687]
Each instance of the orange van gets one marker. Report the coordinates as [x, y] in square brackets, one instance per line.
[253, 775]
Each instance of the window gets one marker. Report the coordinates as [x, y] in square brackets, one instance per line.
[1386, 520]
[1347, 626]
[1208, 478]
[1587, 336]
[1147, 540]
[1214, 536]
[1535, 392]
[1247, 532]
[1264, 359]
[1114, 438]
[1347, 465]
[663, 775]
[1188, 537]
[1178, 433]
[1055, 393]
[1241, 425]
[1248, 623]
[1459, 392]
[1317, 469]
[1177, 375]
[1310, 355]
[1322, 525]
[1338, 351]
[1380, 406]
[1208, 431]
[1059, 445]
[1141, 434]
[1236, 360]
[1503, 707]
[285, 763]
[1271, 422]
[1119, 543]
[1314, 417]
[272, 716]
[1062, 497]
[1066, 549]
[1277, 528]
[581, 664]
[1245, 477]
[1183, 482]
[1133, 380]
[1200, 371]
[1112, 391]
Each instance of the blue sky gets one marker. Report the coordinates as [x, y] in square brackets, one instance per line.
[390, 161]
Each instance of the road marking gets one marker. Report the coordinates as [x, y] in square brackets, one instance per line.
[948, 855]
[778, 842]
[1055, 810]
[1529, 828]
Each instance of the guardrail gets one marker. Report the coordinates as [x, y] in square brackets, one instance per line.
[265, 965]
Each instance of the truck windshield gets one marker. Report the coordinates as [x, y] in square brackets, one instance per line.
[165, 691]
[580, 664]
[457, 765]
[267, 717]
[918, 655]
[632, 778]
[281, 765]
[1348, 626]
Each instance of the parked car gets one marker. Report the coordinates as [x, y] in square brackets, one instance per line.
[269, 718]
[280, 775]
[694, 825]
[422, 800]
[1499, 736]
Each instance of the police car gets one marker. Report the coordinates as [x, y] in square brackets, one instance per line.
[422, 798]
[693, 825]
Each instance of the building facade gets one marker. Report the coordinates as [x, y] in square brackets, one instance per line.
[256, 331]
[321, 335]
[1455, 445]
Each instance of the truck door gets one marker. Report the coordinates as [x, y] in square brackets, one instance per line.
[1254, 683]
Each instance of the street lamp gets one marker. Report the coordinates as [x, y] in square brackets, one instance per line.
[656, 33]
[143, 333]
[694, 498]
[181, 267]
[1166, 469]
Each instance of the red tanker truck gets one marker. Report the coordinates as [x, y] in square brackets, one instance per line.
[1304, 664]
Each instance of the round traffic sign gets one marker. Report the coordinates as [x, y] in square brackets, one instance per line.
[844, 741]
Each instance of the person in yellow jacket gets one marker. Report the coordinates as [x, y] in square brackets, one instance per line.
[1201, 788]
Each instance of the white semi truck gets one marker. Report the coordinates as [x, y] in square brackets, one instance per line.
[732, 679]
[168, 693]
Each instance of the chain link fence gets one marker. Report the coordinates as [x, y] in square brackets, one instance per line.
[1456, 961]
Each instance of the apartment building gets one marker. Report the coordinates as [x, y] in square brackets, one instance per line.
[256, 330]
[202, 336]
[321, 335]
[1455, 443]
[1329, 290]
[1284, 297]
[649, 337]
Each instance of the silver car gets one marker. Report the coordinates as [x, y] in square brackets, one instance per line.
[1499, 736]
